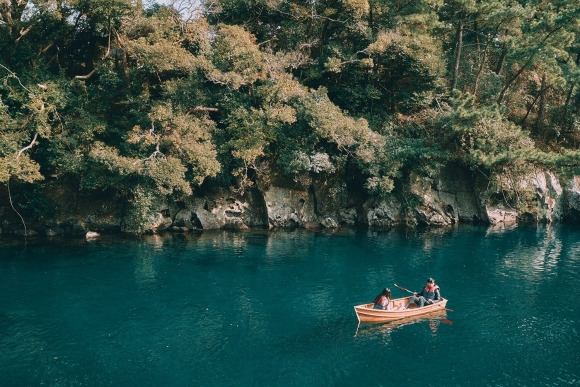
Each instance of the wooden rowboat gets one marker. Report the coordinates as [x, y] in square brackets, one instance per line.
[366, 313]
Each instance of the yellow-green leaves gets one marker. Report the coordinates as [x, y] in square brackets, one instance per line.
[412, 38]
[188, 138]
[155, 44]
[359, 8]
[237, 58]
[481, 137]
[22, 168]
[333, 125]
[175, 148]
[160, 57]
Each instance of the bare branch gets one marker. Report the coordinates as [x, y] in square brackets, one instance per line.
[12, 205]
[12, 74]
[83, 77]
[29, 146]
[267, 41]
[152, 156]
[188, 9]
[45, 49]
[203, 109]
[24, 32]
[119, 37]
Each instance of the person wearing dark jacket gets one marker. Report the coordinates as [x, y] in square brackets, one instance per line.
[427, 296]
[383, 300]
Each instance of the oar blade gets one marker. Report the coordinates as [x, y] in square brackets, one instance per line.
[402, 288]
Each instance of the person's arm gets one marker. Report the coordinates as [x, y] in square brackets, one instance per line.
[437, 294]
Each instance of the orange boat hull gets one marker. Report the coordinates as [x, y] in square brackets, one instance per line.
[366, 313]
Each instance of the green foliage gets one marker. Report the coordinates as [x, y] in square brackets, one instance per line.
[145, 103]
[31, 203]
[565, 122]
[236, 57]
[183, 137]
[22, 168]
[141, 209]
[409, 145]
[480, 137]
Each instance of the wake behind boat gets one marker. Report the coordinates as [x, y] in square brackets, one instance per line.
[366, 313]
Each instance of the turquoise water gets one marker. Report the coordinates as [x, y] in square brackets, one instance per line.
[276, 309]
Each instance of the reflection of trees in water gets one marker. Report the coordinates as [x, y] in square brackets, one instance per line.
[532, 260]
[145, 271]
[253, 269]
[549, 254]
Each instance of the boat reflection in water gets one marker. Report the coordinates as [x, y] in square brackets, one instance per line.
[434, 319]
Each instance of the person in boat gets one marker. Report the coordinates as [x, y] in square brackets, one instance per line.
[383, 300]
[427, 296]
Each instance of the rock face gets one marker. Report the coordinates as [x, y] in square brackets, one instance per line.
[224, 210]
[289, 208]
[92, 235]
[446, 199]
[383, 213]
[501, 216]
[541, 198]
[549, 196]
[454, 196]
[573, 199]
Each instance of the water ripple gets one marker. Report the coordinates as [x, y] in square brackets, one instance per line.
[272, 308]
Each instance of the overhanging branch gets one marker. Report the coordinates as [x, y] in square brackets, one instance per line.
[83, 77]
[29, 146]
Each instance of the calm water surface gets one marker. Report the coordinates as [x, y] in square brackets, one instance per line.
[276, 309]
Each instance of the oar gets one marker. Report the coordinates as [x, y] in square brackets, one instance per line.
[402, 288]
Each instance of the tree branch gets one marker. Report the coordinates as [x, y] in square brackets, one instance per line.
[45, 49]
[203, 109]
[83, 77]
[12, 74]
[12, 205]
[24, 32]
[152, 156]
[29, 146]
[525, 65]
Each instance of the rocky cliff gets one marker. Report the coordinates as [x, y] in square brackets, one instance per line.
[454, 196]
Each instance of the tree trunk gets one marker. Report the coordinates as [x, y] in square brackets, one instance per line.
[521, 70]
[512, 80]
[529, 110]
[11, 12]
[500, 61]
[541, 106]
[484, 58]
[371, 20]
[458, 48]
[480, 70]
[571, 89]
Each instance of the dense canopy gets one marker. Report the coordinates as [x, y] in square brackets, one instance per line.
[136, 98]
